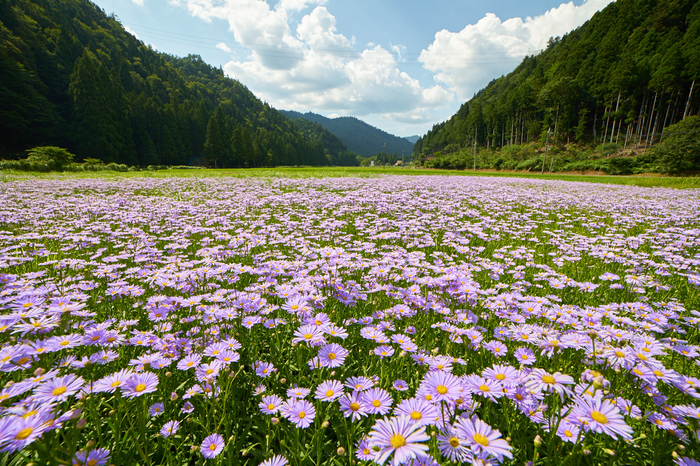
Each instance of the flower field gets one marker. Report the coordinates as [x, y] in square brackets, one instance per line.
[330, 321]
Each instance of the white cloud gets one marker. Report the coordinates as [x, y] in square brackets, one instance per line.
[308, 65]
[466, 61]
[224, 47]
[138, 2]
[130, 31]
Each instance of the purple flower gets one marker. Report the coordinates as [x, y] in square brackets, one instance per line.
[601, 416]
[329, 390]
[400, 437]
[58, 389]
[270, 404]
[212, 446]
[332, 355]
[400, 385]
[482, 438]
[156, 409]
[301, 413]
[169, 428]
[377, 400]
[263, 369]
[352, 405]
[277, 460]
[96, 457]
[140, 384]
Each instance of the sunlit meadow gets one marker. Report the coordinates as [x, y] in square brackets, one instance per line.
[328, 321]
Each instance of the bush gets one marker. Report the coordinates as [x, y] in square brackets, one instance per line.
[680, 150]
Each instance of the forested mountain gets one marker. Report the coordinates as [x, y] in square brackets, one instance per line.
[622, 78]
[359, 137]
[71, 76]
[336, 152]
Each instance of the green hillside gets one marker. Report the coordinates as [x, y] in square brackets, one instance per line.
[600, 96]
[71, 76]
[359, 137]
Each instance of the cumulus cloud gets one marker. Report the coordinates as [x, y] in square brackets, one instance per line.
[466, 61]
[224, 47]
[138, 2]
[307, 64]
[130, 31]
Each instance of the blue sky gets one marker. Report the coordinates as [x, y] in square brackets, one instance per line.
[402, 66]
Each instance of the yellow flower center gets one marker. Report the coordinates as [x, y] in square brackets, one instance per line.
[58, 391]
[212, 447]
[354, 406]
[331, 356]
[454, 442]
[376, 403]
[484, 388]
[140, 387]
[568, 433]
[599, 417]
[416, 416]
[308, 336]
[270, 407]
[116, 383]
[302, 414]
[397, 440]
[481, 439]
[329, 393]
[441, 389]
[500, 376]
[548, 379]
[619, 354]
[24, 433]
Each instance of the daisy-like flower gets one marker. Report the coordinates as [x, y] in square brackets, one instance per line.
[377, 400]
[496, 348]
[601, 416]
[16, 432]
[212, 446]
[309, 334]
[277, 460]
[359, 383]
[506, 375]
[96, 457]
[540, 380]
[263, 369]
[443, 386]
[418, 411]
[482, 438]
[58, 389]
[400, 385]
[363, 451]
[270, 404]
[332, 355]
[191, 361]
[384, 351]
[452, 447]
[301, 413]
[297, 392]
[140, 384]
[352, 405]
[169, 428]
[156, 409]
[488, 388]
[399, 437]
[329, 390]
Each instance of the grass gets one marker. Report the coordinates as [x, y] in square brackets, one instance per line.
[362, 172]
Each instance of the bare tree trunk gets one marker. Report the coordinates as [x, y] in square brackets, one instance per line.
[627, 135]
[639, 124]
[619, 93]
[656, 121]
[690, 96]
[556, 124]
[595, 120]
[512, 123]
[651, 118]
[670, 101]
[605, 134]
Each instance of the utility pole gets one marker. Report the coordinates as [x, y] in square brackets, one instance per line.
[546, 145]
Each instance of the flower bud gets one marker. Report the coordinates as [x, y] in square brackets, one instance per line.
[341, 451]
[538, 441]
[608, 451]
[39, 371]
[283, 380]
[173, 396]
[75, 415]
[325, 424]
[586, 451]
[82, 422]
[168, 374]
[598, 382]
[194, 448]
[275, 421]
[332, 373]
[90, 444]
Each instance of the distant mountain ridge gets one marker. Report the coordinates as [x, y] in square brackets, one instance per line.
[412, 139]
[358, 136]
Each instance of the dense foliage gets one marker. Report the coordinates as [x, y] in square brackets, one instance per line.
[359, 137]
[71, 76]
[622, 78]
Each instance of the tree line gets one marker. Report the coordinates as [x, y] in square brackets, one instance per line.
[71, 76]
[622, 78]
